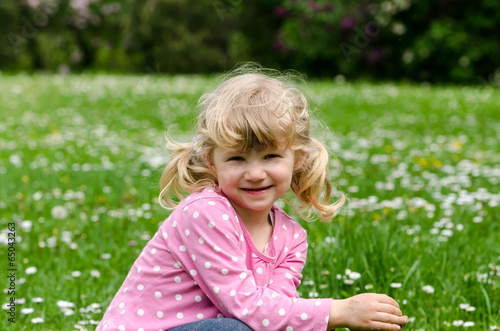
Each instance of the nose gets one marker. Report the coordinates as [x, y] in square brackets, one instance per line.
[255, 171]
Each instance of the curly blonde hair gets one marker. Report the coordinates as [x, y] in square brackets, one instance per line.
[253, 108]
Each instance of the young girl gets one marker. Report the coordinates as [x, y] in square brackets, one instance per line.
[227, 258]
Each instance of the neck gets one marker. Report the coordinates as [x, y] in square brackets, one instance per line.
[254, 218]
[258, 226]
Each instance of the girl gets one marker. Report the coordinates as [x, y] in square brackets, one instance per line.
[227, 258]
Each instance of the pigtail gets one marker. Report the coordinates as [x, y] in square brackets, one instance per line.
[185, 173]
[312, 186]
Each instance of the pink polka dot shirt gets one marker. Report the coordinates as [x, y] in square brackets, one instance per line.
[202, 263]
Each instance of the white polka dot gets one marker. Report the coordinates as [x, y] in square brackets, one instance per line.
[211, 224]
[159, 314]
[281, 312]
[139, 270]
[296, 235]
[289, 328]
[265, 322]
[303, 316]
[275, 295]
[317, 303]
[153, 251]
[293, 269]
[217, 249]
[211, 203]
[232, 293]
[200, 316]
[275, 237]
[225, 217]
[140, 312]
[182, 248]
[216, 289]
[158, 294]
[234, 258]
[156, 268]
[207, 265]
[243, 275]
[244, 312]
[201, 241]
[140, 329]
[140, 287]
[186, 233]
[297, 254]
[193, 272]
[220, 316]
[178, 297]
[193, 257]
[122, 312]
[260, 303]
[242, 238]
[286, 249]
[259, 271]
[224, 271]
[284, 227]
[121, 305]
[121, 328]
[180, 315]
[165, 235]
[289, 276]
[185, 209]
[197, 298]
[177, 279]
[178, 264]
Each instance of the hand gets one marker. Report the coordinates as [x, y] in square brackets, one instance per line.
[368, 311]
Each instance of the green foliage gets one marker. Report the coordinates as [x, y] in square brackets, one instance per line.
[435, 41]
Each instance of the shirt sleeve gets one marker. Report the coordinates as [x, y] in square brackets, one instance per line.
[207, 243]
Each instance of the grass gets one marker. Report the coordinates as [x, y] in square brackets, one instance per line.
[81, 157]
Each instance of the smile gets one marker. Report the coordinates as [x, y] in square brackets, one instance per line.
[257, 189]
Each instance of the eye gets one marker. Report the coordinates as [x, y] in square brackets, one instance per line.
[236, 158]
[272, 156]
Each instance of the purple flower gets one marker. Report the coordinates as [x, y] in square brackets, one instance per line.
[281, 12]
[329, 7]
[375, 56]
[313, 6]
[347, 23]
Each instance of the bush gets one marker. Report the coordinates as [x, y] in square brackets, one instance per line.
[436, 41]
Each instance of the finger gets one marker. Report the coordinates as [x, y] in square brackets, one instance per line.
[388, 300]
[392, 319]
[385, 326]
[390, 309]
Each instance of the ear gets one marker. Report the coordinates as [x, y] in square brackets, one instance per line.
[209, 162]
[300, 157]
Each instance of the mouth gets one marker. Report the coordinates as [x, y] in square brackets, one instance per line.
[256, 189]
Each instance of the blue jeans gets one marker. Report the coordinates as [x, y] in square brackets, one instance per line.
[214, 324]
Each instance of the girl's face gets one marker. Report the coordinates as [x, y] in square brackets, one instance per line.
[254, 180]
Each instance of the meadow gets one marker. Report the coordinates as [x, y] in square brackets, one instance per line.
[80, 162]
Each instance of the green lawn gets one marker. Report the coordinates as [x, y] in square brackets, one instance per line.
[81, 157]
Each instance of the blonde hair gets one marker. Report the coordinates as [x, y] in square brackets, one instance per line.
[253, 108]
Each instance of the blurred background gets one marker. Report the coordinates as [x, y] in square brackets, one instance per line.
[437, 41]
